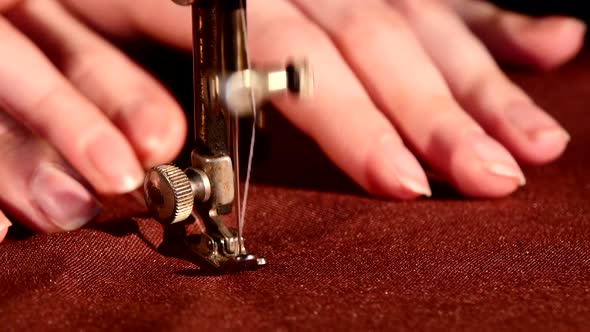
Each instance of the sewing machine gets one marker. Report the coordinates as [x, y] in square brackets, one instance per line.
[226, 89]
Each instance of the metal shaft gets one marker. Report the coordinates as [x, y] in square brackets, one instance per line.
[217, 53]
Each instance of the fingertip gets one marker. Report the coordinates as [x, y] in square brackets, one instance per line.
[532, 135]
[475, 184]
[541, 147]
[552, 41]
[4, 226]
[393, 172]
[157, 131]
[479, 179]
[541, 42]
[3, 234]
[551, 143]
[110, 163]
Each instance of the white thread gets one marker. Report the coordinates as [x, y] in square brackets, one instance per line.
[248, 172]
[242, 216]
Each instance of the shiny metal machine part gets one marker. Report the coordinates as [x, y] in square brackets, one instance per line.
[225, 88]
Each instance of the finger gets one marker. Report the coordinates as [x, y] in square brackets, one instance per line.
[136, 103]
[541, 42]
[4, 225]
[38, 187]
[341, 116]
[410, 90]
[34, 92]
[136, 18]
[503, 109]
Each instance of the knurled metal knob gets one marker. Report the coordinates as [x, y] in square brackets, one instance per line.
[168, 194]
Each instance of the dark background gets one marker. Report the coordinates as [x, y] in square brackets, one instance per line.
[574, 8]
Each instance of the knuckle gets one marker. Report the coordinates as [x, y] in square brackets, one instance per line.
[417, 7]
[440, 117]
[122, 111]
[83, 64]
[45, 107]
[56, 123]
[285, 27]
[447, 111]
[11, 132]
[353, 24]
[480, 83]
[87, 70]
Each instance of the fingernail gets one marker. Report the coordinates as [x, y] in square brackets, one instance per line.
[575, 25]
[400, 166]
[555, 25]
[537, 125]
[62, 199]
[116, 163]
[556, 135]
[495, 159]
[4, 224]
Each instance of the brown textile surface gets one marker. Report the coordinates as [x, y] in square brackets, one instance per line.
[338, 260]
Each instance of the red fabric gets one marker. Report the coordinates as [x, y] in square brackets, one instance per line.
[338, 260]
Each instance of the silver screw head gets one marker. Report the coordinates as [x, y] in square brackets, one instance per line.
[168, 194]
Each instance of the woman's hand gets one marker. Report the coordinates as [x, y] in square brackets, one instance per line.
[396, 81]
[77, 117]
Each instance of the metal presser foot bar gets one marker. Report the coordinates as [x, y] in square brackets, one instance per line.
[225, 88]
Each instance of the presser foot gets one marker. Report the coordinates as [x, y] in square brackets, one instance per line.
[210, 251]
[171, 194]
